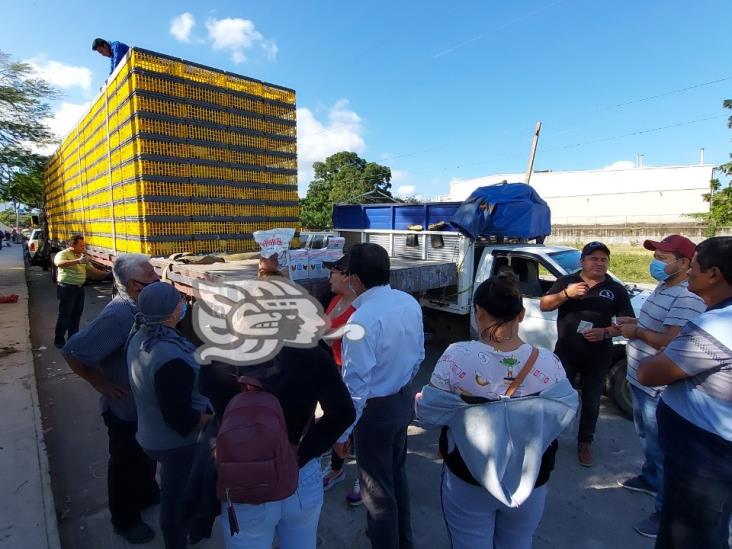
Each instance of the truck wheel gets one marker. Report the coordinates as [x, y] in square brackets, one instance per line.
[619, 388]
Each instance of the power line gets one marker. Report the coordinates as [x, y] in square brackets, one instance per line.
[374, 179]
[499, 27]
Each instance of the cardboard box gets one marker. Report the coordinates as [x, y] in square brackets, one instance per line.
[336, 242]
[315, 262]
[298, 264]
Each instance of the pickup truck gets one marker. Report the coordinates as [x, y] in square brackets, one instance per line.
[448, 307]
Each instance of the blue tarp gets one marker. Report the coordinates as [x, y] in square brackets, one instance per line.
[504, 210]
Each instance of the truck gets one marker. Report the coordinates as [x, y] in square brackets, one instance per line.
[463, 261]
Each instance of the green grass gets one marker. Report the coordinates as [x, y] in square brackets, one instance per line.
[630, 264]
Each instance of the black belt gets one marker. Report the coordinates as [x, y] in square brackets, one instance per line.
[403, 391]
[70, 285]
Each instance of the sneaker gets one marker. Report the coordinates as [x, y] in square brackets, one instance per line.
[649, 527]
[138, 534]
[353, 498]
[331, 478]
[584, 454]
[638, 484]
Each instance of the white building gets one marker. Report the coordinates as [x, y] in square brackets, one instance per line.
[665, 194]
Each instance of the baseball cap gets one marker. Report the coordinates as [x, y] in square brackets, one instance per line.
[673, 243]
[593, 247]
[340, 264]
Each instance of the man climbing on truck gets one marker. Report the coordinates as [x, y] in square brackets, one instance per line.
[115, 50]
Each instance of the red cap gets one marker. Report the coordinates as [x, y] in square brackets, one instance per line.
[674, 243]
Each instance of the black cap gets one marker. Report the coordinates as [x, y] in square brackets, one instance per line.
[593, 247]
[340, 264]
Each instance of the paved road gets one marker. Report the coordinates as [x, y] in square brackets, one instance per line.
[585, 507]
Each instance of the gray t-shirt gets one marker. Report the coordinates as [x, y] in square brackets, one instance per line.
[101, 344]
[665, 307]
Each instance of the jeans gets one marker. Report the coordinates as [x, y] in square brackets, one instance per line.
[295, 519]
[592, 372]
[696, 511]
[175, 468]
[475, 519]
[644, 417]
[131, 481]
[70, 307]
[381, 452]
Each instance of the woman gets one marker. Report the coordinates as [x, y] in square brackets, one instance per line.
[338, 312]
[300, 379]
[497, 455]
[170, 409]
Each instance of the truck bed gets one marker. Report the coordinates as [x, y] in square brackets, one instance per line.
[406, 275]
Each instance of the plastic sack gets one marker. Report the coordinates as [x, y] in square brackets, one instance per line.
[274, 241]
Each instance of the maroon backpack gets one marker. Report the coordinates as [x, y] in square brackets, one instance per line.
[255, 460]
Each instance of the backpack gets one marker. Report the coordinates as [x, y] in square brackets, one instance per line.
[255, 460]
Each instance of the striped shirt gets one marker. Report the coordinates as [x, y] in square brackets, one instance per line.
[665, 307]
[74, 275]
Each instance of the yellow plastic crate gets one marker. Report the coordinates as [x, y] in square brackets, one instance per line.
[201, 133]
[210, 209]
[213, 191]
[206, 114]
[145, 208]
[241, 84]
[212, 227]
[148, 82]
[142, 188]
[206, 171]
[209, 153]
[151, 62]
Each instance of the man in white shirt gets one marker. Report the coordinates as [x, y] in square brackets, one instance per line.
[378, 370]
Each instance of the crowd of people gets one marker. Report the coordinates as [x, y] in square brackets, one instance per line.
[499, 403]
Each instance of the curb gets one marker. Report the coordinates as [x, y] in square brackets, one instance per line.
[24, 451]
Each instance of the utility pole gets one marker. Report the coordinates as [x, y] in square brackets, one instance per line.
[532, 154]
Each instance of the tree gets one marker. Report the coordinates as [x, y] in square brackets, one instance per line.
[343, 177]
[26, 186]
[23, 107]
[719, 196]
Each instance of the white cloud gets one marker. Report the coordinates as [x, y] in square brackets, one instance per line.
[342, 131]
[61, 123]
[61, 75]
[620, 165]
[406, 190]
[182, 25]
[238, 36]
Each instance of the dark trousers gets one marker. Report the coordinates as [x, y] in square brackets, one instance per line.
[695, 511]
[336, 462]
[381, 452]
[175, 469]
[130, 474]
[587, 374]
[70, 307]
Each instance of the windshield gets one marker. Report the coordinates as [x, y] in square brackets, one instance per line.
[568, 260]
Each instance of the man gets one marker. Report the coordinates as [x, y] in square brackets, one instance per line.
[587, 301]
[695, 410]
[378, 370]
[665, 312]
[115, 50]
[97, 354]
[73, 269]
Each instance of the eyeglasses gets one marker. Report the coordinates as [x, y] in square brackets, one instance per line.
[143, 284]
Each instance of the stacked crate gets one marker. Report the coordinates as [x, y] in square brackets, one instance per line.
[176, 157]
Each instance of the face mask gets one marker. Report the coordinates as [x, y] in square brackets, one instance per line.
[183, 311]
[657, 268]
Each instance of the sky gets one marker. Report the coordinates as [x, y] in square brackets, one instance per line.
[437, 91]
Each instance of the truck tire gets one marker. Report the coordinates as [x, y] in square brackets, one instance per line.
[619, 388]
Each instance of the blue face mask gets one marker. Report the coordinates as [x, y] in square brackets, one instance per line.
[657, 269]
[183, 311]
